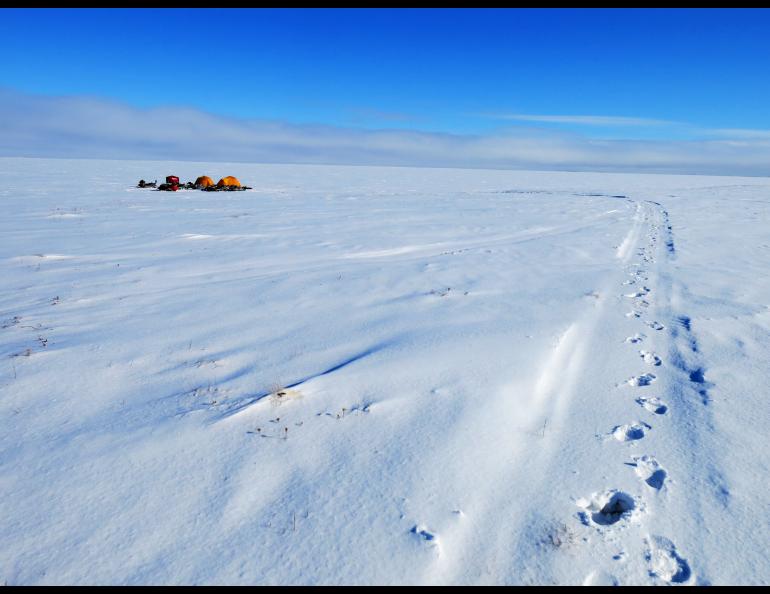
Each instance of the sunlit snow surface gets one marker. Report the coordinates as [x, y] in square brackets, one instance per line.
[354, 375]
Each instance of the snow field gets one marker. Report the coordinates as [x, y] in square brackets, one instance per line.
[356, 375]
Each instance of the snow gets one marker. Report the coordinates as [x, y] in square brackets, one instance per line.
[360, 375]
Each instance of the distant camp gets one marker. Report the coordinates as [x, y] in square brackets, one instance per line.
[204, 182]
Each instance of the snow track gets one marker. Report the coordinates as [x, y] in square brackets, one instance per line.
[647, 555]
[563, 387]
[619, 529]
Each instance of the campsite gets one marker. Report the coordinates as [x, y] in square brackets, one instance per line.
[228, 183]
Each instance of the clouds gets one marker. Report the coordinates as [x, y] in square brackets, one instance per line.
[583, 120]
[741, 133]
[89, 127]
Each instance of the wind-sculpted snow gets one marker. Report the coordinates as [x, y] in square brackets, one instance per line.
[354, 375]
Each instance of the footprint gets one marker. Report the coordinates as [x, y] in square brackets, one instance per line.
[650, 358]
[650, 471]
[655, 325]
[654, 405]
[630, 432]
[642, 380]
[606, 508]
[665, 562]
[424, 534]
[636, 338]
[634, 314]
[629, 282]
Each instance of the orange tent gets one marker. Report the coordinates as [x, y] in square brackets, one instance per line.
[228, 181]
[204, 181]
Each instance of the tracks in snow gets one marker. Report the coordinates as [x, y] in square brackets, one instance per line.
[564, 385]
[621, 519]
[648, 556]
[629, 482]
[626, 523]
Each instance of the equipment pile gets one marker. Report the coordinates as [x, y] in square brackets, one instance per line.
[226, 184]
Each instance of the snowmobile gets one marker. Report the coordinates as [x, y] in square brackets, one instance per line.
[144, 184]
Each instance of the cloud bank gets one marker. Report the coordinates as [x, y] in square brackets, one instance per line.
[583, 120]
[86, 127]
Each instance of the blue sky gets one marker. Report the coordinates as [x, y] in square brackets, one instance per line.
[636, 74]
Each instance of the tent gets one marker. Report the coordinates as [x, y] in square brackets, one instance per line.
[204, 181]
[228, 181]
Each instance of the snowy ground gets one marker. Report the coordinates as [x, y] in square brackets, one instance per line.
[381, 375]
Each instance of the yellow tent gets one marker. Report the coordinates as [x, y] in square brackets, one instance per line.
[228, 181]
[204, 181]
